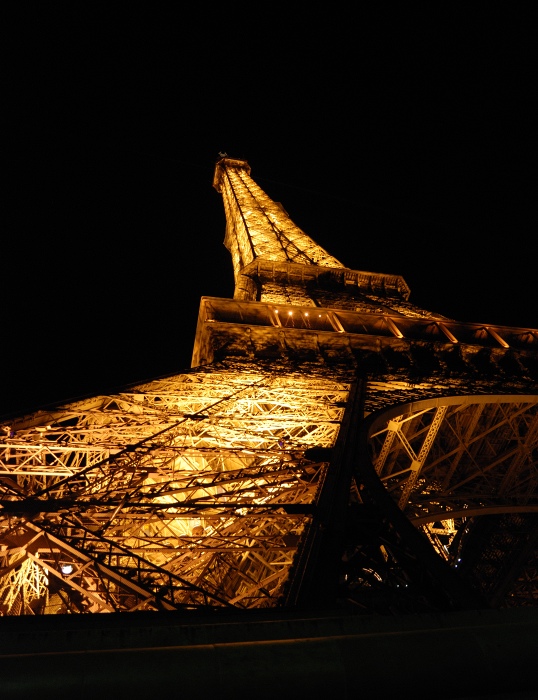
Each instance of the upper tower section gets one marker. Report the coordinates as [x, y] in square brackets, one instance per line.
[257, 227]
[259, 234]
[275, 261]
[281, 273]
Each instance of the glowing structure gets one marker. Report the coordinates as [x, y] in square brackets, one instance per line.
[332, 444]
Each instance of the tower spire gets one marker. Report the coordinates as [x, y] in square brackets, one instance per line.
[259, 230]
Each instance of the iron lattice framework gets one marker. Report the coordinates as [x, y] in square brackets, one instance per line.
[332, 444]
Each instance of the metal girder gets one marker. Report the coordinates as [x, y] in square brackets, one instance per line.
[205, 508]
[417, 461]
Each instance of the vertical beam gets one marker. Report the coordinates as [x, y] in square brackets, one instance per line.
[314, 580]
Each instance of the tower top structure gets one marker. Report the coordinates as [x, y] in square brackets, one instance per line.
[285, 281]
[273, 259]
[264, 228]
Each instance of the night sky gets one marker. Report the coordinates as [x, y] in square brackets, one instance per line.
[402, 141]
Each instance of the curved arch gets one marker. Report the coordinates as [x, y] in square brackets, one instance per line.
[448, 462]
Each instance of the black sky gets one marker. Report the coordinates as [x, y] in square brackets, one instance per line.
[402, 141]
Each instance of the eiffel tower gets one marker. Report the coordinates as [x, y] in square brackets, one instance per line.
[333, 446]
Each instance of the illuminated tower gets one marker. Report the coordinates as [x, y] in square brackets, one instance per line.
[332, 445]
